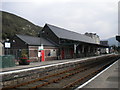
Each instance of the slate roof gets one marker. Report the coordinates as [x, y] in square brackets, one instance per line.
[31, 40]
[70, 35]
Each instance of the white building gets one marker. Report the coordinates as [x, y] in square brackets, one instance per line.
[104, 50]
[94, 36]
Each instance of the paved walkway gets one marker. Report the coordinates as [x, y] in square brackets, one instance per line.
[38, 64]
[106, 79]
[32, 64]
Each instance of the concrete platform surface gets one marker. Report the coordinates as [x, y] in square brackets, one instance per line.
[45, 63]
[32, 64]
[108, 78]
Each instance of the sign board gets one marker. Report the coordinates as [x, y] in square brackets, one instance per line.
[39, 50]
[42, 55]
[39, 54]
[7, 45]
[107, 50]
[53, 52]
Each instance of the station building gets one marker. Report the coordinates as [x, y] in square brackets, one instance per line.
[104, 50]
[58, 43]
[94, 36]
[29, 45]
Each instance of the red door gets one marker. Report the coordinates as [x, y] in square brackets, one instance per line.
[62, 53]
[71, 52]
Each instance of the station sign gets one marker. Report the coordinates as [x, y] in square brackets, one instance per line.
[7, 45]
[40, 48]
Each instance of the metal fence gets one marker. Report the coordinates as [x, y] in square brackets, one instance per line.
[7, 61]
[16, 52]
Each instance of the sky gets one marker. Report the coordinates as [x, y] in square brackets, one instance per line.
[94, 16]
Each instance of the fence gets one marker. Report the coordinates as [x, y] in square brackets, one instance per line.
[16, 52]
[7, 61]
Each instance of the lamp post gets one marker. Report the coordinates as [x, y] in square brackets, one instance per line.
[41, 45]
[75, 46]
[7, 45]
[41, 32]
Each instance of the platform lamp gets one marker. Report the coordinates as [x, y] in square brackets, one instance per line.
[41, 45]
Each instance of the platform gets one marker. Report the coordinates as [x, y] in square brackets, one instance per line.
[46, 63]
[15, 75]
[108, 78]
[42, 64]
[32, 64]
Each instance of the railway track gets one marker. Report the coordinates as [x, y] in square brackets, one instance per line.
[86, 69]
[90, 74]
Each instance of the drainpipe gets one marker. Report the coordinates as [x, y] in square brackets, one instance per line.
[75, 51]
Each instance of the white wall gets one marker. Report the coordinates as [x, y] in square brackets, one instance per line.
[1, 49]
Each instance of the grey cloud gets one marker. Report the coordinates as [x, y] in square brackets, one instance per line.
[76, 16]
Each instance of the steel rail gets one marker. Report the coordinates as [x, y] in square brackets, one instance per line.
[79, 80]
[63, 77]
[29, 82]
[52, 75]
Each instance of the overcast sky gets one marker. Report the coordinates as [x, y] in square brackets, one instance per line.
[96, 16]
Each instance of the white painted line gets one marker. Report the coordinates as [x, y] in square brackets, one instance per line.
[81, 86]
[28, 69]
[22, 70]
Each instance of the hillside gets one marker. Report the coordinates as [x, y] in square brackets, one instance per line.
[12, 24]
[112, 41]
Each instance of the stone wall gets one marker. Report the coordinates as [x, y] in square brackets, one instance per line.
[20, 77]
